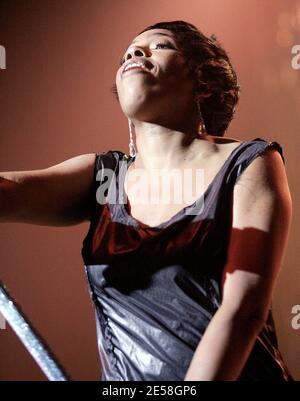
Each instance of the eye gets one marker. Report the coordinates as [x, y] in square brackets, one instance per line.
[158, 44]
[163, 44]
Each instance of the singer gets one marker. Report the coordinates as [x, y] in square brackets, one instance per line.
[183, 289]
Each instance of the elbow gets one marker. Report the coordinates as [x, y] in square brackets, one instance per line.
[250, 321]
[256, 322]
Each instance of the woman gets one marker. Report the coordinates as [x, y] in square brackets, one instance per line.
[182, 290]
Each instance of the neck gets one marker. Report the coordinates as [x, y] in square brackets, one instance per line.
[166, 148]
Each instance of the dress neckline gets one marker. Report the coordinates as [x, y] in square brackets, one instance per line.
[178, 214]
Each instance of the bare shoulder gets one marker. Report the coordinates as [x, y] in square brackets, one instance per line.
[263, 187]
[268, 162]
[266, 171]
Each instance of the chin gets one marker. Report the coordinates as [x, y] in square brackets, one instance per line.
[135, 108]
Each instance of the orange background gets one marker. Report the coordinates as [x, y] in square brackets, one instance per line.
[62, 57]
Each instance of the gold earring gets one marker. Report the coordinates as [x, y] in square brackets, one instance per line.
[202, 130]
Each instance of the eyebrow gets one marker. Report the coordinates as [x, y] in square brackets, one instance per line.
[154, 34]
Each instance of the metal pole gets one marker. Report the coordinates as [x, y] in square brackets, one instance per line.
[29, 337]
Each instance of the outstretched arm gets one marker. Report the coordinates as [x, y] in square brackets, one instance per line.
[262, 211]
[59, 195]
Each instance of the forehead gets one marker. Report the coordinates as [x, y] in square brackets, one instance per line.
[152, 33]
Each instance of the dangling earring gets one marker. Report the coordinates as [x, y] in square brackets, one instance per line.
[202, 125]
[132, 150]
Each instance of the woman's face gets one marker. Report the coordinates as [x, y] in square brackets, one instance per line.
[146, 93]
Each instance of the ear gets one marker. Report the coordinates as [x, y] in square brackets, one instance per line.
[200, 96]
[201, 91]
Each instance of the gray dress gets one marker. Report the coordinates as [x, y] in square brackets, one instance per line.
[155, 289]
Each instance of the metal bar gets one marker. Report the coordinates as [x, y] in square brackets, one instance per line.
[29, 337]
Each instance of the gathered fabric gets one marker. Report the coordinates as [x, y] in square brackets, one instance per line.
[156, 289]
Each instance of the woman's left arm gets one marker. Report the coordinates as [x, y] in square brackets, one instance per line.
[262, 212]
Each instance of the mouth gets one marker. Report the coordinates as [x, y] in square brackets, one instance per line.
[135, 69]
[137, 65]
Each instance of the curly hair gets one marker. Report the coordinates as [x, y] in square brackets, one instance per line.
[210, 67]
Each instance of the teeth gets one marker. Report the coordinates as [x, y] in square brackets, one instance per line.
[131, 65]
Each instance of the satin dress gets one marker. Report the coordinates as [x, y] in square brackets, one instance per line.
[155, 289]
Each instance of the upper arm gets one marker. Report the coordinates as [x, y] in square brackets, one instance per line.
[57, 196]
[262, 211]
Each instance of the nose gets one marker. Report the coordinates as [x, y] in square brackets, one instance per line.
[135, 51]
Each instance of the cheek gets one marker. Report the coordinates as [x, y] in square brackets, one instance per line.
[176, 66]
[118, 81]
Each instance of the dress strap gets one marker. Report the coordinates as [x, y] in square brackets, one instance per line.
[251, 150]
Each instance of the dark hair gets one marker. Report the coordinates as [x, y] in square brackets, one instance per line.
[214, 75]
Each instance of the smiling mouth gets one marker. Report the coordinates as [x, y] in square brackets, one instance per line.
[136, 69]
